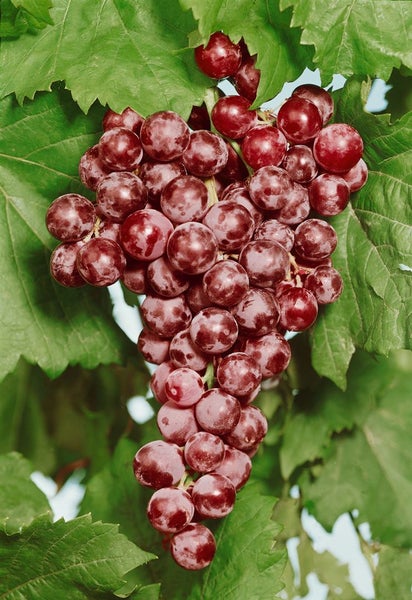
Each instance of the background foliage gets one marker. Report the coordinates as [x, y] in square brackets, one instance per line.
[341, 418]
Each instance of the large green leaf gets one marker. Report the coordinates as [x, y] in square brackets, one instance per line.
[374, 247]
[20, 500]
[393, 576]
[369, 469]
[47, 324]
[77, 560]
[355, 36]
[267, 33]
[121, 52]
[324, 410]
[19, 16]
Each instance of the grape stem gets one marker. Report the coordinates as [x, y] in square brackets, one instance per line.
[95, 231]
[209, 376]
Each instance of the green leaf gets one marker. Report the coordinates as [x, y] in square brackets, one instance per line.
[47, 324]
[123, 53]
[326, 409]
[374, 234]
[266, 32]
[38, 9]
[23, 425]
[369, 469]
[20, 499]
[393, 576]
[77, 560]
[357, 36]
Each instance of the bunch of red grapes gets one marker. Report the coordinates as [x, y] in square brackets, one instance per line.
[219, 223]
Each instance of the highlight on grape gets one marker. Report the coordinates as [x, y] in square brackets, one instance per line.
[221, 223]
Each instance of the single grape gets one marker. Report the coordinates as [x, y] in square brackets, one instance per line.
[63, 264]
[204, 451]
[299, 120]
[100, 262]
[70, 217]
[196, 296]
[236, 466]
[271, 351]
[134, 276]
[257, 313]
[325, 283]
[269, 187]
[247, 77]
[357, 176]
[164, 135]
[220, 57]
[214, 330]
[152, 347]
[158, 464]
[184, 352]
[232, 118]
[265, 262]
[263, 145]
[241, 196]
[192, 248]
[319, 96]
[119, 194]
[170, 509]
[176, 424]
[91, 168]
[166, 316]
[128, 118]
[226, 283]
[184, 199]
[120, 149]
[194, 547]
[156, 175]
[238, 374]
[300, 164]
[315, 239]
[273, 230]
[298, 309]
[329, 194]
[206, 155]
[231, 224]
[164, 280]
[297, 206]
[213, 495]
[250, 429]
[184, 387]
[158, 380]
[108, 229]
[338, 147]
[144, 234]
[217, 411]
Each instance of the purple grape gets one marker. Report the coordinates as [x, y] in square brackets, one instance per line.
[269, 187]
[206, 154]
[194, 547]
[164, 280]
[357, 176]
[184, 387]
[299, 120]
[273, 230]
[166, 316]
[70, 217]
[320, 97]
[164, 135]
[128, 118]
[63, 266]
[329, 194]
[184, 199]
[220, 57]
[145, 233]
[159, 464]
[134, 276]
[192, 248]
[214, 330]
[250, 429]
[152, 347]
[120, 149]
[213, 495]
[231, 223]
[226, 283]
[338, 147]
[100, 262]
[120, 194]
[91, 168]
[204, 451]
[176, 424]
[257, 313]
[315, 239]
[263, 145]
[271, 351]
[232, 118]
[296, 208]
[156, 175]
[184, 352]
[325, 283]
[217, 411]
[265, 262]
[170, 509]
[158, 380]
[238, 374]
[300, 164]
[236, 466]
[298, 309]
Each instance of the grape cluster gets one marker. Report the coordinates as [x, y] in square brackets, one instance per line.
[220, 223]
